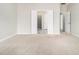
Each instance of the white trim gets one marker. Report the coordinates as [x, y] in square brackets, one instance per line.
[1, 40]
[75, 34]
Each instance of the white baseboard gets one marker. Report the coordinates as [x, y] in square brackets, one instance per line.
[75, 34]
[1, 40]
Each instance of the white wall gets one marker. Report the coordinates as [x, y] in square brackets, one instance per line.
[7, 20]
[57, 19]
[74, 18]
[23, 19]
[24, 16]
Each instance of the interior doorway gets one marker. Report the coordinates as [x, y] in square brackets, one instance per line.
[65, 22]
[42, 22]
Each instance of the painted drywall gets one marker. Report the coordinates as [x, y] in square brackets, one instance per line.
[24, 16]
[23, 19]
[74, 8]
[7, 20]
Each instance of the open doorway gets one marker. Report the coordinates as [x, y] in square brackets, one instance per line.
[41, 23]
[65, 22]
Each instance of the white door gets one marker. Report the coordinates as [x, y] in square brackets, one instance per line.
[34, 22]
[50, 21]
[67, 22]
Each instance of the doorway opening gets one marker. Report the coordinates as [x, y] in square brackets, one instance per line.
[41, 23]
[65, 22]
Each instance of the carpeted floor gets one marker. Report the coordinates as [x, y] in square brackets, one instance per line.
[64, 44]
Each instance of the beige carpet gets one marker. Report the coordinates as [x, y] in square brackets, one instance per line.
[40, 45]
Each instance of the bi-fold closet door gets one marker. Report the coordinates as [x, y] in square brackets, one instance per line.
[48, 17]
